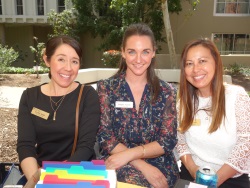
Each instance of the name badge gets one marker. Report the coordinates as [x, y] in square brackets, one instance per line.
[40, 113]
[196, 122]
[124, 104]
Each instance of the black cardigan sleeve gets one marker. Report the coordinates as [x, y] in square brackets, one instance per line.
[26, 131]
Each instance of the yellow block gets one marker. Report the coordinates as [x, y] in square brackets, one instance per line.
[63, 174]
[127, 185]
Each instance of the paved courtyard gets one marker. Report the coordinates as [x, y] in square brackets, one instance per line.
[10, 96]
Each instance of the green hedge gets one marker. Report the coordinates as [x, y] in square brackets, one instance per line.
[19, 70]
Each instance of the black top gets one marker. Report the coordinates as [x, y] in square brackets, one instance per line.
[49, 140]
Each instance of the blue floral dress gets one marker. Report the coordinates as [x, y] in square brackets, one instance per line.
[153, 122]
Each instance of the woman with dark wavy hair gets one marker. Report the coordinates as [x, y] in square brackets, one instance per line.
[214, 118]
[137, 132]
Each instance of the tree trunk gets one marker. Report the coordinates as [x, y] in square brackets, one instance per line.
[169, 34]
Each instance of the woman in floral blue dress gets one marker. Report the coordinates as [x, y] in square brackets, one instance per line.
[137, 131]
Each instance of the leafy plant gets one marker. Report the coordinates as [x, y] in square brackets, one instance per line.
[235, 68]
[64, 23]
[109, 18]
[7, 57]
[22, 54]
[245, 71]
[38, 50]
[111, 58]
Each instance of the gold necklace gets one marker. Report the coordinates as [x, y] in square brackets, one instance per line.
[57, 101]
[60, 102]
[54, 116]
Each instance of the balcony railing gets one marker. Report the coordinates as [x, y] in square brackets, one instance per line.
[22, 19]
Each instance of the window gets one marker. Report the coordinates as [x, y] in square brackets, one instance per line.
[1, 7]
[19, 7]
[61, 5]
[40, 7]
[232, 43]
[232, 7]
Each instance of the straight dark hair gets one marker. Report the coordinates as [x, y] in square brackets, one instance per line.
[142, 29]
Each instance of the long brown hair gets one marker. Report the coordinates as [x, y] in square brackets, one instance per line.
[188, 93]
[141, 29]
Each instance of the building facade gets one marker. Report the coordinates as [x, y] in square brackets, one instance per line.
[22, 20]
[226, 22]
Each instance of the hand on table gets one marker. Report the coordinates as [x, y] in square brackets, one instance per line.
[154, 176]
[117, 160]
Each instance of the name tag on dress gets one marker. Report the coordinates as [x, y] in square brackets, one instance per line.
[196, 122]
[40, 113]
[124, 104]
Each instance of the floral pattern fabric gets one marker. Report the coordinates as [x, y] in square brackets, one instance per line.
[153, 122]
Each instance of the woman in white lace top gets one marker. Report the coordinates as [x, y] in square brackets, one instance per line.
[214, 118]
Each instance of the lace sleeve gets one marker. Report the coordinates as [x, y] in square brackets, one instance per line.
[181, 147]
[239, 158]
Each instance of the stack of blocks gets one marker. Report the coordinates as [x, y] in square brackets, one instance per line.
[87, 174]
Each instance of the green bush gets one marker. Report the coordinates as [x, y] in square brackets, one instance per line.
[7, 57]
[235, 68]
[19, 70]
[245, 71]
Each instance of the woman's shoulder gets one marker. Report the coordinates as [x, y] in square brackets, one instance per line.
[112, 81]
[34, 89]
[89, 88]
[31, 94]
[166, 86]
[234, 89]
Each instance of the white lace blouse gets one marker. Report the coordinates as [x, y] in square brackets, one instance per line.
[230, 144]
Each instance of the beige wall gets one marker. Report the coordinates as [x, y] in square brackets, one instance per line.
[243, 60]
[2, 34]
[18, 30]
[91, 55]
[18, 40]
[163, 60]
[202, 24]
[21, 37]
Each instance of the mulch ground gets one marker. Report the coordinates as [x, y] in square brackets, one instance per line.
[8, 116]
